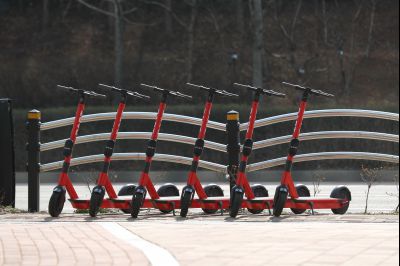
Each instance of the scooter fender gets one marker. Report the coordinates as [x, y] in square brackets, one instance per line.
[141, 190]
[99, 190]
[59, 189]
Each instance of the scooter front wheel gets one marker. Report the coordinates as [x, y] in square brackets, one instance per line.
[127, 190]
[57, 200]
[96, 200]
[237, 195]
[280, 198]
[185, 203]
[137, 203]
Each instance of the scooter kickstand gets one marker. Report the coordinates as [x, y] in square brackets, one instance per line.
[269, 208]
[312, 207]
[220, 207]
[173, 208]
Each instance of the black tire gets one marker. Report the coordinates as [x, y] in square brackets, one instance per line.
[127, 190]
[168, 190]
[213, 191]
[186, 200]
[57, 200]
[341, 193]
[260, 192]
[137, 202]
[96, 200]
[303, 191]
[280, 198]
[237, 195]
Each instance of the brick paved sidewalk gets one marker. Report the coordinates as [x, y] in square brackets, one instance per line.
[64, 244]
[27, 239]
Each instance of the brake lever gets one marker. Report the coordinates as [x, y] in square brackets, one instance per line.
[124, 92]
[82, 92]
[275, 93]
[179, 94]
[312, 91]
[226, 93]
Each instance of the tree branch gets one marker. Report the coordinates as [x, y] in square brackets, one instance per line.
[177, 19]
[96, 8]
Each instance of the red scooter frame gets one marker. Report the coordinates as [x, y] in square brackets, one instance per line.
[208, 196]
[300, 200]
[145, 184]
[103, 183]
[57, 200]
[254, 203]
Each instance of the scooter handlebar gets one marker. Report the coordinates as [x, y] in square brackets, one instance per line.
[81, 92]
[212, 90]
[311, 91]
[125, 92]
[169, 92]
[263, 91]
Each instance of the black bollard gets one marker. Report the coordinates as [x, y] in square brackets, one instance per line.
[7, 155]
[33, 166]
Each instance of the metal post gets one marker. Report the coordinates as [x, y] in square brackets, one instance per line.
[33, 166]
[7, 156]
[233, 147]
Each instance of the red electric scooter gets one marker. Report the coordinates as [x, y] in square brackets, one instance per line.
[255, 194]
[145, 184]
[57, 199]
[300, 200]
[103, 183]
[206, 194]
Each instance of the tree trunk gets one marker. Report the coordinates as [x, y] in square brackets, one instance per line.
[258, 44]
[240, 17]
[189, 61]
[119, 44]
[371, 28]
[45, 15]
[325, 22]
[168, 17]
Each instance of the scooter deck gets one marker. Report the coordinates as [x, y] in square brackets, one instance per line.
[299, 203]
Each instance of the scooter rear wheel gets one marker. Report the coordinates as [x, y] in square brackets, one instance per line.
[137, 203]
[237, 195]
[280, 198]
[303, 191]
[341, 193]
[259, 191]
[213, 191]
[185, 203]
[57, 200]
[168, 190]
[96, 200]
[127, 190]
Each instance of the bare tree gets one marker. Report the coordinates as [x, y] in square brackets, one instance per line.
[45, 14]
[348, 67]
[239, 16]
[189, 27]
[317, 179]
[371, 27]
[168, 17]
[289, 34]
[118, 15]
[256, 11]
[370, 177]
